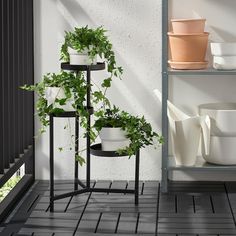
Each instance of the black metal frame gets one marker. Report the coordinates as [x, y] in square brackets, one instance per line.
[95, 149]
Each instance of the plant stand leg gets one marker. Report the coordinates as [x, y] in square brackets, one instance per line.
[88, 155]
[51, 164]
[137, 177]
[76, 152]
[88, 127]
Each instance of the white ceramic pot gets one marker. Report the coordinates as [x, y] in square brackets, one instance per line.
[113, 139]
[223, 118]
[223, 49]
[222, 151]
[53, 93]
[224, 62]
[81, 58]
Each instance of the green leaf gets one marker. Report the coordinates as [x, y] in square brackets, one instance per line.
[106, 83]
[80, 159]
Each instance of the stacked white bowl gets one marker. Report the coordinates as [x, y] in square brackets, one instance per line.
[224, 56]
[223, 133]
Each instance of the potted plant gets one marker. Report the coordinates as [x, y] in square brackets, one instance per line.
[122, 132]
[83, 45]
[65, 91]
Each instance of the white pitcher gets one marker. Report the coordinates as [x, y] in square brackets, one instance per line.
[186, 132]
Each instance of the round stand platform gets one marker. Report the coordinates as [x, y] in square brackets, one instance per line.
[98, 66]
[96, 150]
[71, 113]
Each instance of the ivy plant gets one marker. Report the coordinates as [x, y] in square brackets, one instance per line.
[137, 129]
[8, 186]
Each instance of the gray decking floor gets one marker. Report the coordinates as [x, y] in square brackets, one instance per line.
[188, 209]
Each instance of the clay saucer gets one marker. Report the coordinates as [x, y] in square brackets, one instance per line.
[188, 65]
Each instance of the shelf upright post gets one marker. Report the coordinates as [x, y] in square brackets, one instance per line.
[88, 126]
[164, 181]
[137, 160]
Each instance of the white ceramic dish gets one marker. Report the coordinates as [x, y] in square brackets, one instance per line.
[223, 118]
[223, 49]
[224, 62]
[222, 151]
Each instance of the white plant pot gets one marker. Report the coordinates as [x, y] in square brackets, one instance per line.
[113, 139]
[53, 93]
[223, 117]
[223, 49]
[222, 151]
[224, 62]
[81, 58]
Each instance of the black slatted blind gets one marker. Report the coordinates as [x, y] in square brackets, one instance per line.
[16, 106]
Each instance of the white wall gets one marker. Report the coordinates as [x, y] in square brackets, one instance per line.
[135, 31]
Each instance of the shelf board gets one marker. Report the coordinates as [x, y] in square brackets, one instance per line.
[208, 71]
[200, 165]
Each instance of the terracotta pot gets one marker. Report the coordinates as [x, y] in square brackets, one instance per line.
[188, 26]
[188, 65]
[188, 48]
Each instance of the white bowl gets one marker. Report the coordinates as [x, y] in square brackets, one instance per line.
[222, 151]
[113, 139]
[223, 118]
[223, 49]
[224, 62]
[80, 58]
[74, 52]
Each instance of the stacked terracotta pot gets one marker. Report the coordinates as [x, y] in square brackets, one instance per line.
[188, 44]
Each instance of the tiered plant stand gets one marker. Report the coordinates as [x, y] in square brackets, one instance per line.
[94, 149]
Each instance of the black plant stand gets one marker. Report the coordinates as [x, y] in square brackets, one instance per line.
[94, 149]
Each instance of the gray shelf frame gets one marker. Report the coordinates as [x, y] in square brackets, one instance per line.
[168, 163]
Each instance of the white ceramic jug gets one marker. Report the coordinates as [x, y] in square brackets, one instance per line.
[185, 133]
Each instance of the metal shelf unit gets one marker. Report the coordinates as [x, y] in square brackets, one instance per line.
[168, 163]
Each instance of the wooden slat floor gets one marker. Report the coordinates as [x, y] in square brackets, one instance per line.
[189, 209]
